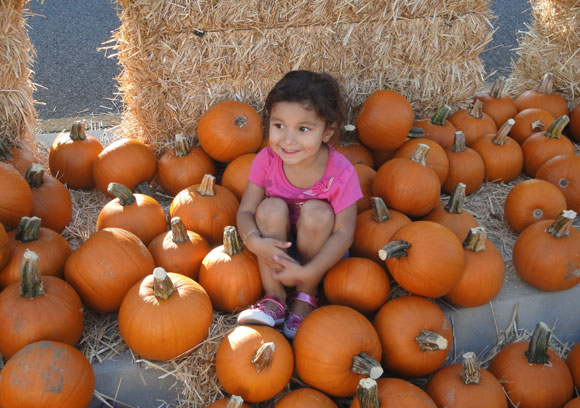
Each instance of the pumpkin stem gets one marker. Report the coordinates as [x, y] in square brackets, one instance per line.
[162, 284]
[235, 401]
[34, 175]
[124, 194]
[458, 142]
[181, 145]
[538, 126]
[471, 374]
[77, 131]
[380, 210]
[394, 249]
[477, 110]
[30, 279]
[430, 341]
[420, 154]
[555, 129]
[537, 352]
[546, 83]
[475, 240]
[348, 136]
[207, 186]
[441, 115]
[455, 204]
[144, 188]
[501, 137]
[497, 88]
[264, 357]
[28, 228]
[178, 231]
[367, 393]
[232, 241]
[366, 365]
[5, 153]
[241, 121]
[416, 133]
[560, 227]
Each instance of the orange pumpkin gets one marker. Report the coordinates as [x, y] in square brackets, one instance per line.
[436, 159]
[530, 121]
[425, 258]
[305, 397]
[16, 196]
[152, 313]
[43, 367]
[530, 365]
[384, 120]
[564, 173]
[230, 274]
[179, 250]
[38, 308]
[573, 403]
[574, 125]
[436, 128]
[415, 336]
[20, 158]
[573, 363]
[236, 174]
[72, 155]
[335, 364]
[473, 123]
[547, 253]
[543, 97]
[232, 402]
[496, 104]
[350, 148]
[229, 129]
[390, 393]
[531, 201]
[183, 166]
[254, 362]
[366, 177]
[465, 166]
[4, 247]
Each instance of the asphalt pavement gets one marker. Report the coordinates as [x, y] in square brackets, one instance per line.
[75, 76]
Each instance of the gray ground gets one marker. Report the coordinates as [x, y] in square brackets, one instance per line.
[75, 78]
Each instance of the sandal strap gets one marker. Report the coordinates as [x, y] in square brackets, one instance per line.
[306, 298]
[279, 304]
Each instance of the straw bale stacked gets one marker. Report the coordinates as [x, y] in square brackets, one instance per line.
[180, 57]
[18, 115]
[551, 44]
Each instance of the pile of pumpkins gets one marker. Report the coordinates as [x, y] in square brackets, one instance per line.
[165, 279]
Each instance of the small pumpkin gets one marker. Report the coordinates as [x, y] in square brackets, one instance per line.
[229, 129]
[236, 174]
[436, 160]
[531, 201]
[19, 157]
[543, 97]
[390, 392]
[574, 125]
[533, 375]
[72, 155]
[233, 401]
[473, 123]
[436, 128]
[349, 147]
[366, 177]
[4, 247]
[42, 367]
[15, 197]
[465, 166]
[564, 173]
[38, 308]
[530, 121]
[573, 363]
[496, 104]
[179, 250]
[183, 166]
[254, 362]
[152, 313]
[305, 397]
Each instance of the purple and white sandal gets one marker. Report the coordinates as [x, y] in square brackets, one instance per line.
[293, 321]
[259, 313]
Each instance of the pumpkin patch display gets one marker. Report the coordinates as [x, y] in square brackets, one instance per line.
[436, 128]
[473, 123]
[153, 312]
[16, 196]
[305, 397]
[496, 104]
[543, 97]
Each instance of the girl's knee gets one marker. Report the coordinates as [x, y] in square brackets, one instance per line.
[272, 211]
[315, 215]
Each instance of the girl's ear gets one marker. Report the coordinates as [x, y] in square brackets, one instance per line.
[329, 132]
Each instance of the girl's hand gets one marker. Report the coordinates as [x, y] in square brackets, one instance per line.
[292, 273]
[267, 249]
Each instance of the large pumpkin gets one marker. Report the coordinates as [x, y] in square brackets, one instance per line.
[32, 377]
[229, 129]
[153, 312]
[334, 348]
[15, 196]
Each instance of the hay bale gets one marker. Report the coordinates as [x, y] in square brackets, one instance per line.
[18, 115]
[180, 57]
[551, 44]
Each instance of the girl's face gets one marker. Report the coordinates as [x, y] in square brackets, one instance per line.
[296, 133]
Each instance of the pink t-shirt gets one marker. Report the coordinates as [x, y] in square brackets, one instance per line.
[339, 185]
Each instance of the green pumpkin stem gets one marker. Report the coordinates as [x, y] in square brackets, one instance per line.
[162, 284]
[178, 231]
[394, 249]
[124, 194]
[458, 142]
[420, 154]
[557, 126]
[235, 401]
[182, 147]
[232, 241]
[497, 88]
[501, 137]
[144, 188]
[207, 186]
[441, 115]
[475, 240]
[546, 83]
[471, 373]
[431, 341]
[28, 229]
[366, 365]
[416, 133]
[537, 352]
[456, 200]
[5, 153]
[30, 279]
[477, 110]
[77, 131]
[367, 393]
[380, 210]
[263, 358]
[560, 227]
[34, 175]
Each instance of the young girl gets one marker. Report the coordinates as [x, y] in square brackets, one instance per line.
[298, 211]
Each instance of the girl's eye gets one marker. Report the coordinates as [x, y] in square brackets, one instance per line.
[277, 125]
[304, 129]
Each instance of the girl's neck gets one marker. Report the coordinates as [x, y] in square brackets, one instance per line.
[304, 176]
